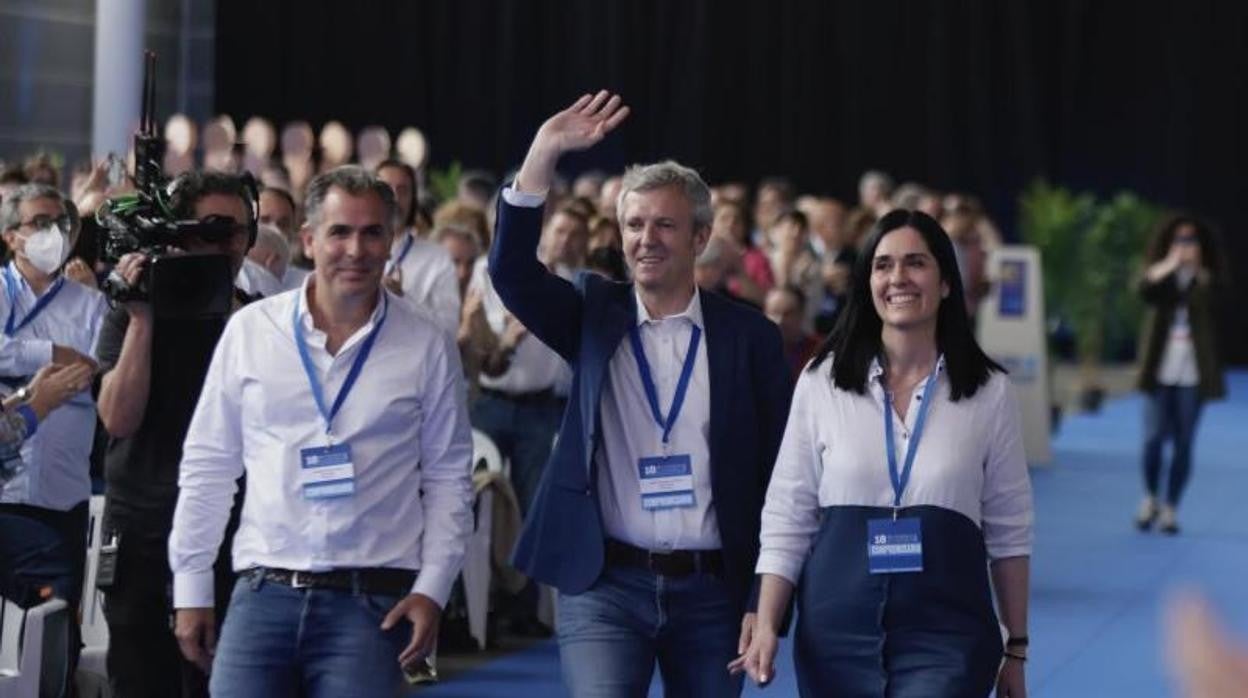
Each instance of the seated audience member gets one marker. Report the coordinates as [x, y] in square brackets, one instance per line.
[830, 238]
[786, 306]
[39, 169]
[604, 232]
[476, 188]
[589, 185]
[731, 224]
[265, 264]
[875, 192]
[420, 271]
[607, 262]
[565, 240]
[775, 196]
[277, 208]
[715, 269]
[369, 444]
[792, 261]
[465, 217]
[607, 198]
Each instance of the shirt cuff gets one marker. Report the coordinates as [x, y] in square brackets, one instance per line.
[193, 590]
[34, 354]
[434, 583]
[522, 199]
[32, 421]
[779, 565]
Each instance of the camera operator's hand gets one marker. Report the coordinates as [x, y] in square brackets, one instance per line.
[130, 269]
[56, 383]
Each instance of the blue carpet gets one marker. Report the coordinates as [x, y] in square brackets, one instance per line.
[1098, 587]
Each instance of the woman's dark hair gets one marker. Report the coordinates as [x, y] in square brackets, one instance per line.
[1211, 257]
[855, 339]
[414, 207]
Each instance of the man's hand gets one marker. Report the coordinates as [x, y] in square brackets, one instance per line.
[130, 270]
[513, 333]
[77, 270]
[65, 356]
[1011, 682]
[424, 615]
[54, 384]
[196, 630]
[578, 127]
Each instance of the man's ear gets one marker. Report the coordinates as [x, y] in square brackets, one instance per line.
[701, 235]
[305, 238]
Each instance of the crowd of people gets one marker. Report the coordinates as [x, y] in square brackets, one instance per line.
[285, 478]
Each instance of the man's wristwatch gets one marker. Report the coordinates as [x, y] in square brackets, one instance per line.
[23, 394]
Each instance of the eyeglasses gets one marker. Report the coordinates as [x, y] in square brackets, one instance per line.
[42, 221]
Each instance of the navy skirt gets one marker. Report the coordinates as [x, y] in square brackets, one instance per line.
[929, 634]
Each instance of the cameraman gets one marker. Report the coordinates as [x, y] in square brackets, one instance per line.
[153, 368]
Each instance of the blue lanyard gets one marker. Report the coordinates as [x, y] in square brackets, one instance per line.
[407, 247]
[10, 287]
[365, 349]
[647, 380]
[901, 480]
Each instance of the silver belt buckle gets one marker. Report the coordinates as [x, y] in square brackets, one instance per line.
[296, 582]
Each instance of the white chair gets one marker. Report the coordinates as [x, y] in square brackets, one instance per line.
[477, 557]
[33, 649]
[94, 627]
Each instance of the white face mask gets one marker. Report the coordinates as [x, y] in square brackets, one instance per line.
[46, 249]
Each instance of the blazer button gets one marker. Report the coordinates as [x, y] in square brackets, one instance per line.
[587, 492]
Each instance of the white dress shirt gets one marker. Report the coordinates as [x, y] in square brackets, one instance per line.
[970, 460]
[57, 458]
[427, 278]
[405, 421]
[255, 279]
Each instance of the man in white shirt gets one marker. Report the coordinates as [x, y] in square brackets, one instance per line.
[420, 271]
[358, 499]
[264, 268]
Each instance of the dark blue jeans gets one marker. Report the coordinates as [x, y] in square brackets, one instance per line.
[280, 642]
[611, 635]
[524, 433]
[1171, 413]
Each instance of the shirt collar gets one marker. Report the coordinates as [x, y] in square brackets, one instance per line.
[305, 313]
[876, 371]
[692, 312]
[22, 284]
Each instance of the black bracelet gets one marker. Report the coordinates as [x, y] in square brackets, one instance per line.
[1014, 655]
[1020, 641]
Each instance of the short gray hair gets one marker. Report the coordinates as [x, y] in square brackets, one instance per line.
[271, 237]
[667, 174]
[11, 216]
[354, 180]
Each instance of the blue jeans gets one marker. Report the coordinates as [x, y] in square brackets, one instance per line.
[524, 433]
[1171, 412]
[611, 635]
[317, 643]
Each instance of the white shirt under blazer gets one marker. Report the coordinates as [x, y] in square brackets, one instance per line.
[405, 421]
[969, 460]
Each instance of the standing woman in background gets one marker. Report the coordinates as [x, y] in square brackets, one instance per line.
[1179, 368]
[900, 483]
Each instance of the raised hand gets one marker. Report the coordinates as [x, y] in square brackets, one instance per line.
[578, 127]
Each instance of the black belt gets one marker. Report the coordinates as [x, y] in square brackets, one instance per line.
[678, 563]
[372, 580]
[537, 397]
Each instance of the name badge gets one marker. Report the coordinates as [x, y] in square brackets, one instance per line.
[666, 482]
[327, 472]
[894, 545]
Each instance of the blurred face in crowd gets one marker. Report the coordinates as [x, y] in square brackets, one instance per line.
[463, 254]
[660, 239]
[275, 210]
[1186, 245]
[788, 236]
[768, 207]
[268, 257]
[565, 240]
[610, 192]
[730, 223]
[402, 185]
[223, 206]
[906, 287]
[871, 192]
[827, 220]
[350, 244]
[782, 308]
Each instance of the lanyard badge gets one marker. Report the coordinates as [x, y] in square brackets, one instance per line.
[327, 472]
[11, 326]
[896, 544]
[666, 480]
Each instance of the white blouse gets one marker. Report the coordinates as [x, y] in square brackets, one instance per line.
[969, 459]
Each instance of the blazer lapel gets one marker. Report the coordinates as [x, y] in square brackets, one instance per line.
[721, 366]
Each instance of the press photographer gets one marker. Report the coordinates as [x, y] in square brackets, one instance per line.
[154, 351]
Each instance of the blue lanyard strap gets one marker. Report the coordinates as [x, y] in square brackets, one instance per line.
[647, 380]
[10, 287]
[407, 247]
[900, 480]
[318, 392]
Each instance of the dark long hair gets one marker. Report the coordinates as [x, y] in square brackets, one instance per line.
[855, 339]
[414, 201]
[1211, 257]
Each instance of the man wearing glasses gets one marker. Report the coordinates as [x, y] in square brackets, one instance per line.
[46, 319]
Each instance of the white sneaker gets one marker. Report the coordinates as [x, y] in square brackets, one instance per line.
[1168, 523]
[1147, 514]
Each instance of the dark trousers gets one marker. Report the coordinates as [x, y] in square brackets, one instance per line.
[45, 549]
[1171, 413]
[524, 430]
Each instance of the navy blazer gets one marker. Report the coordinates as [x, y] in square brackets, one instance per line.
[584, 322]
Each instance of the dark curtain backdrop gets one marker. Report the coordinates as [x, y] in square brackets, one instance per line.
[974, 95]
